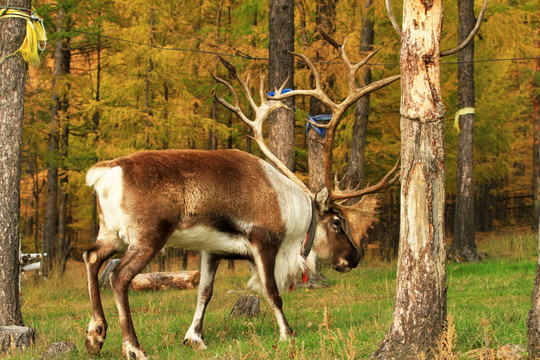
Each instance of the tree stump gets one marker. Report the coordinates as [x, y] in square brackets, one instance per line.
[247, 305]
[59, 350]
[16, 337]
[167, 280]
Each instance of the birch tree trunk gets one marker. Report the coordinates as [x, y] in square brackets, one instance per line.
[12, 89]
[420, 301]
[281, 69]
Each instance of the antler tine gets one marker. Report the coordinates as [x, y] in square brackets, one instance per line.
[388, 180]
[365, 60]
[234, 108]
[317, 92]
[243, 84]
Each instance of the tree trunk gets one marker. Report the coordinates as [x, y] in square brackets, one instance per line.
[326, 20]
[536, 147]
[63, 244]
[95, 128]
[420, 300]
[464, 244]
[355, 169]
[281, 69]
[12, 89]
[533, 321]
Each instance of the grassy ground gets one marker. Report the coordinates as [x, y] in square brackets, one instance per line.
[488, 301]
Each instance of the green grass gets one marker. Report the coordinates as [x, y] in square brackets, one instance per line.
[488, 301]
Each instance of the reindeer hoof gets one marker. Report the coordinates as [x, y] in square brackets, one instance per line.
[95, 336]
[195, 342]
[133, 353]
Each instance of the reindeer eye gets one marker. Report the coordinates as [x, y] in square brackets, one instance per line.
[336, 223]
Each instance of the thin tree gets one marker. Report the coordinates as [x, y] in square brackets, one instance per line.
[58, 108]
[12, 90]
[280, 69]
[355, 169]
[463, 246]
[326, 21]
[536, 147]
[533, 320]
[64, 240]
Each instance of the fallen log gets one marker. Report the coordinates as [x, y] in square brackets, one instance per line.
[167, 280]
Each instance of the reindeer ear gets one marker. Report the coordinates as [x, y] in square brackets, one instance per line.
[322, 200]
[360, 217]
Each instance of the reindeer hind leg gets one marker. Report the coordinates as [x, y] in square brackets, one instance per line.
[209, 264]
[94, 258]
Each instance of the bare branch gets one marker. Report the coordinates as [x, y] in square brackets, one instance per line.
[392, 17]
[328, 38]
[473, 32]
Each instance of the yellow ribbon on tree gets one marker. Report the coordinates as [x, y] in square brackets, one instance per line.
[464, 111]
[36, 37]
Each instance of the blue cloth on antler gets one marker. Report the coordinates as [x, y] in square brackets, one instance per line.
[272, 93]
[317, 119]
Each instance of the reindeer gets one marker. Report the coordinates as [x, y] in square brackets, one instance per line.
[227, 204]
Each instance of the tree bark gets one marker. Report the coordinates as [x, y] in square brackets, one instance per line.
[281, 70]
[12, 90]
[420, 300]
[463, 246]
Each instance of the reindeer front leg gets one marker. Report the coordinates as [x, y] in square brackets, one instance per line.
[264, 258]
[135, 260]
[209, 264]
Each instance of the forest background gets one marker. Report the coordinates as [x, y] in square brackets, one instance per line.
[136, 75]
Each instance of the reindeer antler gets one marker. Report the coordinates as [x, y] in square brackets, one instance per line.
[388, 180]
[338, 110]
[261, 113]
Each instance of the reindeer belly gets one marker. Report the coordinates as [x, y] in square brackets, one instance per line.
[202, 237]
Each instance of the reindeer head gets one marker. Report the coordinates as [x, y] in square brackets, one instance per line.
[340, 228]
